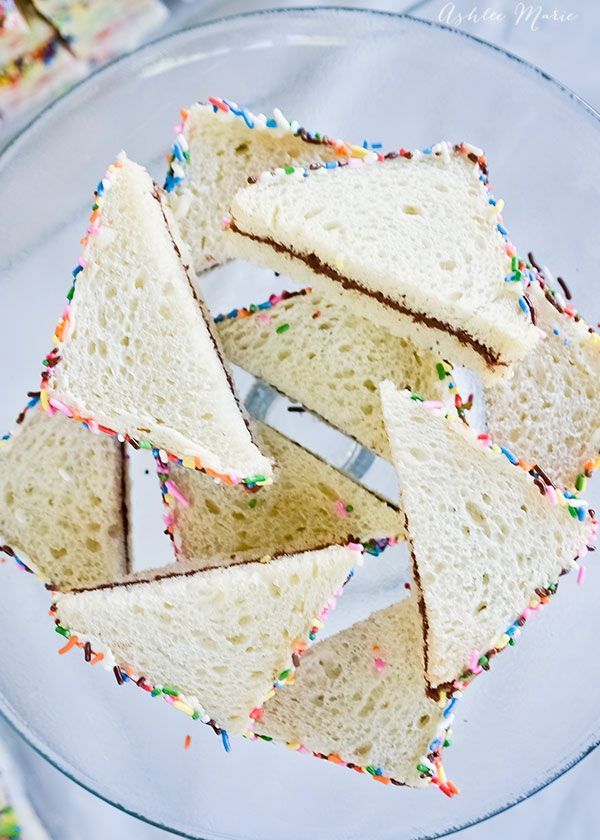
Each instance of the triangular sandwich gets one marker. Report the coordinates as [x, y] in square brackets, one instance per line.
[64, 493]
[310, 503]
[218, 145]
[359, 700]
[550, 411]
[413, 241]
[214, 640]
[134, 351]
[489, 534]
[331, 360]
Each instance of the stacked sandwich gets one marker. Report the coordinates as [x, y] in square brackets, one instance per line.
[405, 270]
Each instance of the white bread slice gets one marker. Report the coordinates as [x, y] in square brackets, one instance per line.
[359, 700]
[217, 146]
[310, 503]
[485, 535]
[414, 242]
[550, 410]
[64, 500]
[216, 638]
[134, 351]
[331, 360]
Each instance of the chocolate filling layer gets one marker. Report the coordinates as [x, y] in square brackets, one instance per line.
[125, 508]
[432, 693]
[154, 577]
[491, 358]
[156, 194]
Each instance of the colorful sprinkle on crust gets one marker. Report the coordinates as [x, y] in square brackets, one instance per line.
[95, 653]
[51, 405]
[442, 150]
[277, 123]
[21, 559]
[576, 507]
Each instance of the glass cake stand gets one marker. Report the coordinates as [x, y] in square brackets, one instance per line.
[358, 75]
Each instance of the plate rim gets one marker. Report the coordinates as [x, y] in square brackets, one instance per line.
[302, 11]
[11, 147]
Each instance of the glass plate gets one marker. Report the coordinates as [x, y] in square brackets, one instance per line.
[352, 74]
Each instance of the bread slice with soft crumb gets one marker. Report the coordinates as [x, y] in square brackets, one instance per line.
[309, 503]
[488, 533]
[550, 409]
[134, 352]
[331, 360]
[217, 147]
[64, 500]
[217, 638]
[359, 700]
[414, 242]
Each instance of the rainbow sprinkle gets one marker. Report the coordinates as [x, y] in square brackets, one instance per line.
[277, 123]
[535, 280]
[484, 440]
[340, 508]
[444, 149]
[444, 369]
[536, 274]
[429, 766]
[20, 67]
[479, 662]
[171, 500]
[259, 308]
[21, 559]
[179, 156]
[34, 401]
[51, 405]
[172, 694]
[10, 828]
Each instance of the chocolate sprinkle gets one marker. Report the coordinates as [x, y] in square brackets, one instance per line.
[308, 138]
[529, 303]
[564, 287]
[87, 651]
[551, 299]
[544, 476]
[118, 675]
